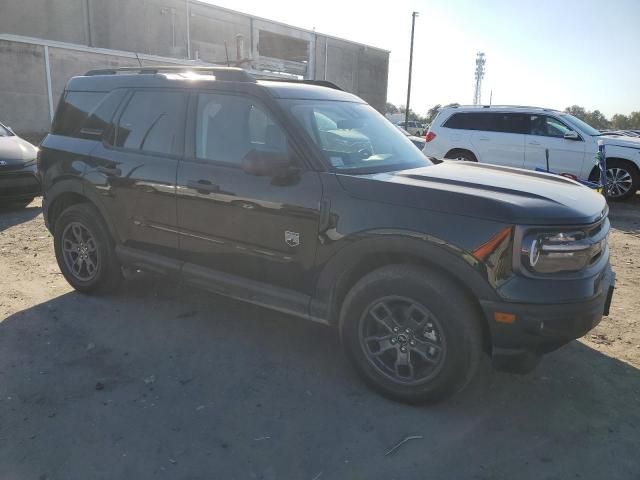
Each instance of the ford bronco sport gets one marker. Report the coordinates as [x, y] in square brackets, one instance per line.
[302, 198]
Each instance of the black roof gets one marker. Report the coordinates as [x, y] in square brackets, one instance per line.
[202, 77]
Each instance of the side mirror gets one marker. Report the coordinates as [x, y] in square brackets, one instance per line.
[572, 136]
[266, 164]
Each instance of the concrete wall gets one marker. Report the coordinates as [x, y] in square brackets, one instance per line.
[24, 103]
[60, 20]
[177, 28]
[160, 28]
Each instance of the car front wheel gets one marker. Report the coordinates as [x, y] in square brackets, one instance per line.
[410, 334]
[622, 180]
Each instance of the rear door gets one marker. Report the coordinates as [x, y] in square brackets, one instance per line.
[546, 133]
[134, 169]
[256, 227]
[498, 137]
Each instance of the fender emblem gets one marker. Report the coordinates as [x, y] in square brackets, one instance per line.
[3, 163]
[291, 238]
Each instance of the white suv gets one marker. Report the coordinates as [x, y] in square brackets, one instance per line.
[520, 136]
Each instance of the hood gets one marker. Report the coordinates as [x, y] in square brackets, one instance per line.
[620, 140]
[507, 195]
[16, 151]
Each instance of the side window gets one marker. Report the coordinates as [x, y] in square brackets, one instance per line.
[97, 123]
[152, 122]
[228, 127]
[455, 121]
[547, 126]
[73, 111]
[470, 121]
[511, 123]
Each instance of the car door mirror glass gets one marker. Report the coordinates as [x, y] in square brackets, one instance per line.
[264, 163]
[571, 136]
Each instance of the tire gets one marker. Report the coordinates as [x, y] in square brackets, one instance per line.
[81, 234]
[441, 316]
[461, 155]
[623, 180]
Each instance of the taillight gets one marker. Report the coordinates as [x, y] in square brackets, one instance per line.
[430, 136]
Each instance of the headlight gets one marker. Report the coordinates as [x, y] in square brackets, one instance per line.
[560, 251]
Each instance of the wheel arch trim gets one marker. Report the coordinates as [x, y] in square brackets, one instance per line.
[382, 248]
[74, 186]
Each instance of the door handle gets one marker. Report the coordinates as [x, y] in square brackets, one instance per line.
[204, 187]
[483, 138]
[110, 171]
[535, 143]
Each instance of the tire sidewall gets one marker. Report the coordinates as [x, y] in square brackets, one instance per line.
[461, 338]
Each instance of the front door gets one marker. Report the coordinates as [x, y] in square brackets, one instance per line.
[260, 228]
[546, 133]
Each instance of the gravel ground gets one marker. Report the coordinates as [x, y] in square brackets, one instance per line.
[165, 382]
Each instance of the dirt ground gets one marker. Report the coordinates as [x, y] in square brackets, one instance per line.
[163, 382]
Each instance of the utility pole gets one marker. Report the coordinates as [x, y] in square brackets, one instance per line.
[413, 26]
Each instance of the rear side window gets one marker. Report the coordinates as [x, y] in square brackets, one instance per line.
[98, 121]
[73, 110]
[488, 122]
[152, 121]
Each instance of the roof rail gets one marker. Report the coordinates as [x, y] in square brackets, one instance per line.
[320, 83]
[503, 106]
[221, 73]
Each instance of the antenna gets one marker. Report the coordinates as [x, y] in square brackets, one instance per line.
[139, 61]
[479, 74]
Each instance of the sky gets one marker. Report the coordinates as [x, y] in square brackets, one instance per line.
[548, 53]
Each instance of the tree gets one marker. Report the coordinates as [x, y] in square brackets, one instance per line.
[577, 111]
[620, 122]
[597, 120]
[432, 112]
[390, 108]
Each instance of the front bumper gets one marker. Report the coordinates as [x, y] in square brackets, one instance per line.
[541, 328]
[19, 184]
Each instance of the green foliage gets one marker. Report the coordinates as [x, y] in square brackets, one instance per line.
[597, 120]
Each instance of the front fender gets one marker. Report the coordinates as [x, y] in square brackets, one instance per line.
[334, 278]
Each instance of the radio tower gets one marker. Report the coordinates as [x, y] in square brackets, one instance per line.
[477, 94]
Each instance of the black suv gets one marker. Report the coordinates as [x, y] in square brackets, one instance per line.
[302, 198]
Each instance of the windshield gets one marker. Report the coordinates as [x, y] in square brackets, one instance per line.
[580, 125]
[355, 138]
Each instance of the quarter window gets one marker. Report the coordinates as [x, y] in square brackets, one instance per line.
[228, 127]
[152, 122]
[73, 111]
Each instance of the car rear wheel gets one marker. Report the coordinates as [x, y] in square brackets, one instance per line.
[461, 155]
[84, 250]
[623, 180]
[410, 334]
